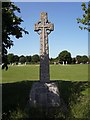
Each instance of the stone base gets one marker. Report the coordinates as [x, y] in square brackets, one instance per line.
[44, 95]
[45, 102]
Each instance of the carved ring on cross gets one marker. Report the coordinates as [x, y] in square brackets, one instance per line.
[39, 29]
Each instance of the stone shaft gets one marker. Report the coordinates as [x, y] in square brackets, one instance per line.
[44, 27]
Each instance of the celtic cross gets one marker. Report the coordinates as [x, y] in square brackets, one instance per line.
[43, 27]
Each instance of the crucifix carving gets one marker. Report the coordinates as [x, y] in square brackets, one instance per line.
[43, 27]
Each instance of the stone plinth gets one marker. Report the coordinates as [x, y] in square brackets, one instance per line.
[44, 101]
[44, 95]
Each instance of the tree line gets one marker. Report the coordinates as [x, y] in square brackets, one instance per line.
[64, 57]
[22, 59]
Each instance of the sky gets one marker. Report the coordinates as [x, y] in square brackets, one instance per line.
[66, 34]
[49, 0]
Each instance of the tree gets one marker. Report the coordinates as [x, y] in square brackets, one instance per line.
[28, 58]
[82, 59]
[85, 20]
[78, 59]
[73, 60]
[10, 27]
[65, 56]
[10, 58]
[22, 59]
[35, 58]
[16, 58]
[53, 60]
[85, 59]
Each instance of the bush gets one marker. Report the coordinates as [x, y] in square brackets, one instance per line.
[82, 108]
[18, 115]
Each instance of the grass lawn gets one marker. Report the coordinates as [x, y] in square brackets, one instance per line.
[72, 83]
[57, 72]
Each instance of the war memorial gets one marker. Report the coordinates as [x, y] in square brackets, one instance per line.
[44, 95]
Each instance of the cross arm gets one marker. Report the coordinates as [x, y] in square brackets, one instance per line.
[50, 26]
[36, 27]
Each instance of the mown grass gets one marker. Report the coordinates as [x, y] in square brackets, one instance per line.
[57, 72]
[72, 82]
[70, 72]
[20, 73]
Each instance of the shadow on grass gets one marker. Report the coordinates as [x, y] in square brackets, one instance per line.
[16, 95]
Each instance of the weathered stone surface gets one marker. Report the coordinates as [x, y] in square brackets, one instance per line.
[44, 95]
[45, 101]
[44, 27]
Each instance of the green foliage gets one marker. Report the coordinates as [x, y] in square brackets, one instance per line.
[22, 59]
[10, 58]
[65, 56]
[10, 27]
[85, 59]
[54, 60]
[85, 20]
[82, 108]
[75, 100]
[16, 58]
[18, 115]
[82, 59]
[35, 58]
[73, 60]
[78, 59]
[28, 58]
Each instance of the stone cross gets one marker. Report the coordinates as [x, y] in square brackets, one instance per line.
[43, 27]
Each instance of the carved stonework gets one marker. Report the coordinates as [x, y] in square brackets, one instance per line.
[43, 27]
[44, 98]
